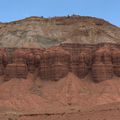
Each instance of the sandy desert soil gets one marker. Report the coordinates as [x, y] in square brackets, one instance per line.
[69, 98]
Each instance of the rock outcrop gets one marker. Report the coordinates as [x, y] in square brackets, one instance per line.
[101, 61]
[16, 71]
[66, 65]
[102, 68]
[50, 48]
[116, 61]
[54, 64]
[37, 32]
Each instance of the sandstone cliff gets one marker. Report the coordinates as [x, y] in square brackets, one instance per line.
[100, 61]
[58, 66]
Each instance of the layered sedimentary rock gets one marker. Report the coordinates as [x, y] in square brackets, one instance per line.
[16, 71]
[3, 61]
[54, 64]
[38, 54]
[102, 68]
[30, 61]
[50, 48]
[116, 61]
[81, 58]
[101, 61]
[80, 64]
[18, 67]
[37, 32]
[19, 56]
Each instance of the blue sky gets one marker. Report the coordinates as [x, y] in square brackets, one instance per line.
[11, 10]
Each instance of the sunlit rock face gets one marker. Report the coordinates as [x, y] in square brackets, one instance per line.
[81, 58]
[102, 68]
[3, 61]
[116, 61]
[16, 71]
[54, 64]
[81, 63]
[66, 65]
[19, 56]
[100, 61]
[17, 68]
[37, 32]
[50, 48]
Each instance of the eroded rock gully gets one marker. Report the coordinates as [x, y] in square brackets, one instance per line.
[100, 60]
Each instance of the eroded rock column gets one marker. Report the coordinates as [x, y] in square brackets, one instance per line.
[3, 61]
[17, 69]
[102, 68]
[54, 64]
[116, 61]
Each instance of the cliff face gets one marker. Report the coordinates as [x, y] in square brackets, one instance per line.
[53, 47]
[101, 61]
[56, 63]
[35, 32]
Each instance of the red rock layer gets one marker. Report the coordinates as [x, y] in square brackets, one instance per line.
[102, 68]
[116, 61]
[101, 61]
[54, 64]
[16, 71]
